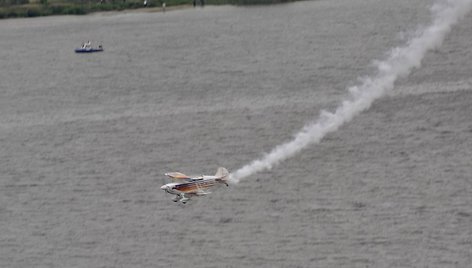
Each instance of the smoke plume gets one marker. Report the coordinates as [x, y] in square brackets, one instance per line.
[399, 63]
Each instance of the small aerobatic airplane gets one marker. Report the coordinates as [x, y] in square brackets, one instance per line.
[185, 186]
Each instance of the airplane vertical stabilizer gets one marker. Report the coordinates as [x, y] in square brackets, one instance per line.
[222, 175]
[221, 172]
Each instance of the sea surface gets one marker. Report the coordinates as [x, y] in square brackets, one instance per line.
[85, 140]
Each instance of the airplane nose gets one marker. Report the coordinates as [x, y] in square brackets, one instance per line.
[163, 187]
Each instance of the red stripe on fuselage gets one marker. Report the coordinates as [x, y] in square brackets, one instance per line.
[194, 187]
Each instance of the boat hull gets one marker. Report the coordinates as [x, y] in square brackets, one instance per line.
[88, 50]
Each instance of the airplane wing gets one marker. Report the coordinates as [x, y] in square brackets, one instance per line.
[177, 176]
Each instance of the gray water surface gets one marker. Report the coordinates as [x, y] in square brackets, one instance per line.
[85, 139]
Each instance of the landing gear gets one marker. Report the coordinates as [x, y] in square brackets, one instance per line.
[184, 199]
[181, 198]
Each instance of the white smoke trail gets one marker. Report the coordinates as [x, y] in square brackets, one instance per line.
[401, 61]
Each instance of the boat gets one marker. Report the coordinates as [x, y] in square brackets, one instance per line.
[87, 48]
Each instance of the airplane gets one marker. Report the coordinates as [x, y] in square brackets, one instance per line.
[185, 186]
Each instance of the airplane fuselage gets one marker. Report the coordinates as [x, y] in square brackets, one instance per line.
[197, 186]
[191, 187]
[185, 186]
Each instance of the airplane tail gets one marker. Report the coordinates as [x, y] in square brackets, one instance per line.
[222, 175]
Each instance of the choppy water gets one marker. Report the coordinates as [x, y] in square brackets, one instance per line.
[86, 139]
